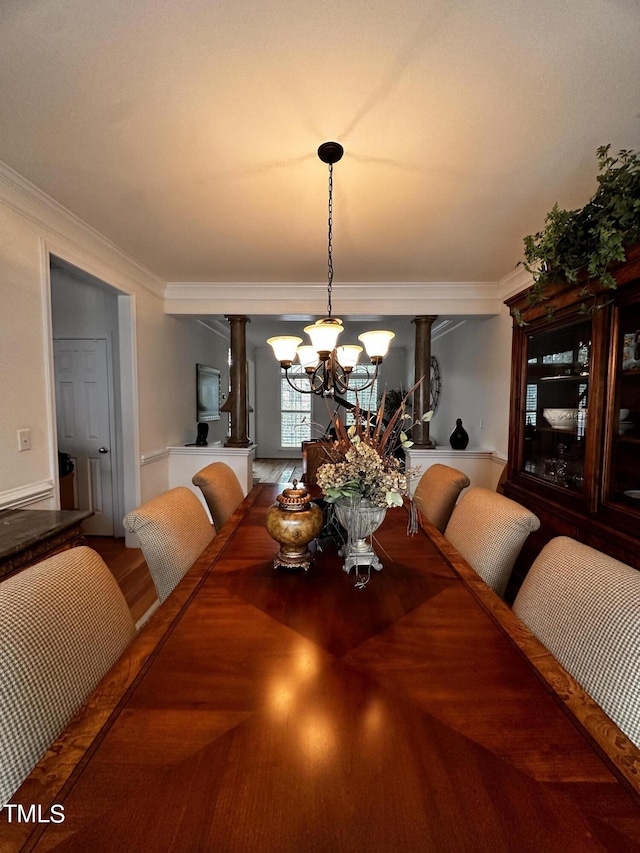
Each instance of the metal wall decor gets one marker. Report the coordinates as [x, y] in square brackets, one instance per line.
[435, 383]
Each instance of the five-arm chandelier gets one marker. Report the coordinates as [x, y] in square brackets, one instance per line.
[327, 365]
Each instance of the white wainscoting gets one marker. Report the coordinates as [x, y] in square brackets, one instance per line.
[482, 467]
[184, 462]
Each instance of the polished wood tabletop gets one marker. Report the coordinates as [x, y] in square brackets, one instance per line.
[265, 711]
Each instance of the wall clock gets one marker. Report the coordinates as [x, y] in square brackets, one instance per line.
[436, 382]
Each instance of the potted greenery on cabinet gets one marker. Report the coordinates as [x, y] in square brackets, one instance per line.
[583, 245]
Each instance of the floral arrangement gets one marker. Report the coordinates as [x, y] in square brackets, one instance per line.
[363, 462]
[364, 472]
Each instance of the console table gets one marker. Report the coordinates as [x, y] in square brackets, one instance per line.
[29, 535]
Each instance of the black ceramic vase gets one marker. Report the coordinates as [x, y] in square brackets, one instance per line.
[459, 438]
[203, 432]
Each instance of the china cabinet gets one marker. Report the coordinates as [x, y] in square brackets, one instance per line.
[574, 431]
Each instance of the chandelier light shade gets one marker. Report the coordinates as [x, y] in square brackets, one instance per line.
[324, 335]
[376, 344]
[348, 356]
[285, 348]
[326, 364]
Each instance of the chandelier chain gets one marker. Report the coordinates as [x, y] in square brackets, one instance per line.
[330, 244]
[326, 375]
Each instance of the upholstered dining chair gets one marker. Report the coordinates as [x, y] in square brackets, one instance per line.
[584, 606]
[173, 530]
[437, 492]
[221, 489]
[63, 624]
[489, 531]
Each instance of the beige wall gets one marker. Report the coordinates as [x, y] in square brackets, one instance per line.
[23, 358]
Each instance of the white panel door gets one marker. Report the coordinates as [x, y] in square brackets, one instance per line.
[83, 419]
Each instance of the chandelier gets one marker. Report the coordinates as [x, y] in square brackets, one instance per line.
[327, 365]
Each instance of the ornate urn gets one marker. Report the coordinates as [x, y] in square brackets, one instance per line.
[360, 518]
[294, 521]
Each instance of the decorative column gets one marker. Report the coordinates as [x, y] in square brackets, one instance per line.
[422, 394]
[238, 396]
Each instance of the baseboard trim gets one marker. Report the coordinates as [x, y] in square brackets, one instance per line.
[147, 615]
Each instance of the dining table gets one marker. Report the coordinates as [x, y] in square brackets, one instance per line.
[301, 711]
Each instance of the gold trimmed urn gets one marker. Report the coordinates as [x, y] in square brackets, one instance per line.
[293, 521]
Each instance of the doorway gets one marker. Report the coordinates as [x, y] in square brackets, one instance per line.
[93, 345]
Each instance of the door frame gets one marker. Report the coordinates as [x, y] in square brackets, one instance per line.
[127, 488]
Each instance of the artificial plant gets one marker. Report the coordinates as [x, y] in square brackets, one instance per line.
[587, 242]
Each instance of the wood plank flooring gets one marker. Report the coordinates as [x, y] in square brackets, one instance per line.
[130, 570]
[277, 470]
[128, 565]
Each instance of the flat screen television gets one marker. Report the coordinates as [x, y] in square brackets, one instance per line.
[208, 393]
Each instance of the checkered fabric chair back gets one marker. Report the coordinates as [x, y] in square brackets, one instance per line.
[221, 489]
[173, 530]
[489, 531]
[437, 492]
[63, 624]
[585, 607]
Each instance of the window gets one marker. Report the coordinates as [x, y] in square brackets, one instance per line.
[295, 410]
[565, 357]
[531, 413]
[368, 398]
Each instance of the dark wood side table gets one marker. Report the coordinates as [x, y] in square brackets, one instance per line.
[29, 535]
[314, 454]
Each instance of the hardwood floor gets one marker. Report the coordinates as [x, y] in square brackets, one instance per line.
[277, 470]
[130, 571]
[128, 565]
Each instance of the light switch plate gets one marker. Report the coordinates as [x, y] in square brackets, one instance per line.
[24, 439]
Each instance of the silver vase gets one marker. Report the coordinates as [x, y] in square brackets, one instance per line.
[360, 518]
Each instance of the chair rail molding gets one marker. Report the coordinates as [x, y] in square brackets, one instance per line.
[29, 494]
[151, 456]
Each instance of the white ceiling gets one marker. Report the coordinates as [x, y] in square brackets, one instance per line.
[185, 131]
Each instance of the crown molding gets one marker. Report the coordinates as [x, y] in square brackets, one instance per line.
[211, 324]
[514, 282]
[394, 298]
[69, 237]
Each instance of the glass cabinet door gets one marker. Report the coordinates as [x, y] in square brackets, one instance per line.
[624, 478]
[557, 400]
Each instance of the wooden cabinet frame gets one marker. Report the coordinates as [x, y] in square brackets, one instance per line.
[590, 515]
